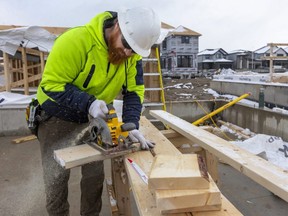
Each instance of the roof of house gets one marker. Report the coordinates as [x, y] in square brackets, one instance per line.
[264, 49]
[212, 51]
[239, 51]
[180, 30]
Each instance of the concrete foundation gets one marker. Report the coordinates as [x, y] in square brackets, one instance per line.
[13, 122]
[257, 120]
[274, 94]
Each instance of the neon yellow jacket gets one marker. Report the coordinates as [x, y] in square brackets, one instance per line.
[77, 72]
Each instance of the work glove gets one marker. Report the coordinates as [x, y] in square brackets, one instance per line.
[98, 109]
[136, 136]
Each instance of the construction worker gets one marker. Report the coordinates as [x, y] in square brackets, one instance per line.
[86, 69]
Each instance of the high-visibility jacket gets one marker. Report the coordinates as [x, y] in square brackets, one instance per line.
[77, 72]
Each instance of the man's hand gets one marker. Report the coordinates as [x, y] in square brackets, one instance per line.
[136, 136]
[98, 109]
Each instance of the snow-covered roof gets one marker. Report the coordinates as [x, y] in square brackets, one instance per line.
[217, 60]
[264, 49]
[211, 51]
[30, 37]
[239, 51]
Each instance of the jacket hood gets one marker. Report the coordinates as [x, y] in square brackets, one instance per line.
[95, 27]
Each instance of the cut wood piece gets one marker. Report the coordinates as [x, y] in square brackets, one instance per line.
[81, 154]
[24, 139]
[77, 155]
[179, 172]
[177, 201]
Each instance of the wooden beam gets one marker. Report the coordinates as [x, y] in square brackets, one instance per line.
[42, 62]
[121, 186]
[81, 154]
[189, 200]
[25, 70]
[111, 197]
[179, 172]
[7, 72]
[277, 44]
[261, 171]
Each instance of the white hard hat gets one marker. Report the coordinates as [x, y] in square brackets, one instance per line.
[140, 27]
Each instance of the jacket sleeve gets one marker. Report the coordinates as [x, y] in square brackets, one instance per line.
[64, 63]
[133, 94]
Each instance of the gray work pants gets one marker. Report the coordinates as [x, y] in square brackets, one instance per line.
[56, 134]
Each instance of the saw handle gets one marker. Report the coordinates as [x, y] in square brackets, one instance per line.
[128, 126]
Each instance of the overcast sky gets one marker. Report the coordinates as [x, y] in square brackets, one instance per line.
[227, 24]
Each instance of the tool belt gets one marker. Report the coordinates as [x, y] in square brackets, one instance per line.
[34, 115]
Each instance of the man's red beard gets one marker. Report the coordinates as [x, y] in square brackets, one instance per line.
[116, 55]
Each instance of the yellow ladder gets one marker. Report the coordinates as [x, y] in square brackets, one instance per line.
[154, 89]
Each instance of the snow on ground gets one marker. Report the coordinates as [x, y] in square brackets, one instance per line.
[232, 97]
[229, 75]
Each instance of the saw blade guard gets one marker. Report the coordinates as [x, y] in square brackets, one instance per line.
[100, 133]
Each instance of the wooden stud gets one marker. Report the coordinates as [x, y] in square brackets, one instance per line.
[7, 72]
[25, 70]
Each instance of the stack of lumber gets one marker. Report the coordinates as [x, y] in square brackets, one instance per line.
[181, 183]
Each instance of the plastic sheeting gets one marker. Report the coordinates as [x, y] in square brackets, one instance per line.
[271, 148]
[30, 37]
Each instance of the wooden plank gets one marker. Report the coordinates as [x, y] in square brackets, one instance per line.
[77, 155]
[25, 71]
[121, 186]
[212, 165]
[24, 139]
[81, 154]
[30, 79]
[111, 197]
[7, 72]
[261, 171]
[169, 133]
[177, 201]
[177, 172]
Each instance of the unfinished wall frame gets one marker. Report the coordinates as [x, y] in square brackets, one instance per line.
[24, 70]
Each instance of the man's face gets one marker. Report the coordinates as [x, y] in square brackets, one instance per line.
[118, 48]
